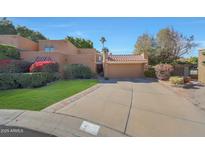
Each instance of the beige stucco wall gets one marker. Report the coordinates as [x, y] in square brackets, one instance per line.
[124, 70]
[72, 55]
[86, 51]
[201, 67]
[85, 59]
[64, 51]
[19, 42]
[61, 46]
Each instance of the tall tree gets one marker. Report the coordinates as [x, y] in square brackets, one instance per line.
[147, 44]
[7, 27]
[103, 40]
[30, 34]
[80, 42]
[168, 46]
[172, 44]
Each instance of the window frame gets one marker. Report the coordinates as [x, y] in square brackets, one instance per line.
[49, 48]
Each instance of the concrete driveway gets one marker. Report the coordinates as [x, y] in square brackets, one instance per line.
[139, 107]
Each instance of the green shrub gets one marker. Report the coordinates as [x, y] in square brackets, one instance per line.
[177, 80]
[9, 52]
[51, 68]
[23, 80]
[26, 80]
[150, 73]
[23, 66]
[52, 76]
[14, 66]
[67, 72]
[7, 81]
[77, 71]
[106, 78]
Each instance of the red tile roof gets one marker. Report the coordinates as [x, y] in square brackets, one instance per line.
[125, 59]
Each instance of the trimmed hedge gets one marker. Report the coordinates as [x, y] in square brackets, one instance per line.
[14, 66]
[51, 68]
[78, 71]
[26, 80]
[9, 52]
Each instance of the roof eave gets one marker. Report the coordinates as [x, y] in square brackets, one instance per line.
[127, 62]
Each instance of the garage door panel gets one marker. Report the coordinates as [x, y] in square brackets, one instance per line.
[125, 70]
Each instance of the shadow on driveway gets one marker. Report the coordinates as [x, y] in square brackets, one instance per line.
[136, 80]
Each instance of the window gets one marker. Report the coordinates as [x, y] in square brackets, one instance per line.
[49, 49]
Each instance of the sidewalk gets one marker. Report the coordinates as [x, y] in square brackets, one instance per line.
[50, 123]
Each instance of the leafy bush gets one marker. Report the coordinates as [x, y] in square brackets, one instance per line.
[67, 72]
[78, 71]
[50, 68]
[176, 80]
[9, 52]
[80, 42]
[44, 66]
[26, 80]
[14, 66]
[163, 71]
[150, 73]
[7, 81]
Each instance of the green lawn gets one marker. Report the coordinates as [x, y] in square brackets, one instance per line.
[39, 98]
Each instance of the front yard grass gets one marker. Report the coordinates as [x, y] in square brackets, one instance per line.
[39, 98]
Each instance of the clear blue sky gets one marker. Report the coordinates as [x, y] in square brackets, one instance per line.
[121, 33]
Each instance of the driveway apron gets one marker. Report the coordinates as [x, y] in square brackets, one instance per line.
[108, 105]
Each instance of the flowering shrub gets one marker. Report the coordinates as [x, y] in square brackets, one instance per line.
[44, 66]
[163, 71]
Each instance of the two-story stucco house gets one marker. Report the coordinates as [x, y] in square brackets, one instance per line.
[64, 52]
[61, 51]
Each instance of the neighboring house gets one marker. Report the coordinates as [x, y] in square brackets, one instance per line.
[64, 52]
[124, 66]
[201, 65]
[61, 51]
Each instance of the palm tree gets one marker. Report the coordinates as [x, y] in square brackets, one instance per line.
[103, 40]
